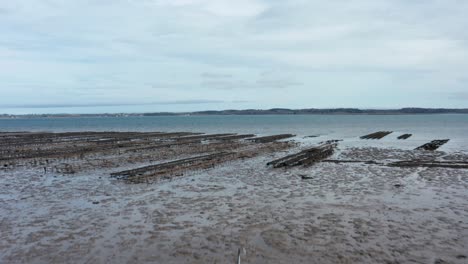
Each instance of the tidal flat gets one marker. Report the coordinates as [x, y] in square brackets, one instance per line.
[183, 197]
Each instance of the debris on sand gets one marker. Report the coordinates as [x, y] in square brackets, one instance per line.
[305, 157]
[235, 137]
[203, 137]
[430, 164]
[331, 141]
[408, 163]
[377, 135]
[306, 177]
[433, 145]
[172, 167]
[368, 162]
[61, 145]
[175, 168]
[74, 152]
[271, 138]
[405, 136]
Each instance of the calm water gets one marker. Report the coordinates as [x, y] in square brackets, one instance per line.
[424, 127]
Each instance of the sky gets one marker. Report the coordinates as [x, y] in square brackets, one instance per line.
[93, 56]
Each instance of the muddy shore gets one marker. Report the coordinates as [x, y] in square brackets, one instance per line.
[60, 204]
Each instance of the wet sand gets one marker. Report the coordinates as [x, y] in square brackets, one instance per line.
[342, 212]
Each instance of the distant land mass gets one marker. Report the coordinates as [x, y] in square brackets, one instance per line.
[273, 111]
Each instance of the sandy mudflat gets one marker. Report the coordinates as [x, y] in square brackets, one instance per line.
[345, 213]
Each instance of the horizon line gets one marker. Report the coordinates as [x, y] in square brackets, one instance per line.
[322, 111]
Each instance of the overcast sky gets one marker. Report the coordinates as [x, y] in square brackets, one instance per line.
[184, 55]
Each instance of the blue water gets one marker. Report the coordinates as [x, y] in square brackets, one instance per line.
[424, 127]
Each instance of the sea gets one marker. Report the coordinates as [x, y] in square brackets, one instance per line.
[307, 127]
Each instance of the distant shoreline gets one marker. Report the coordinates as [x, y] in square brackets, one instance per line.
[274, 111]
